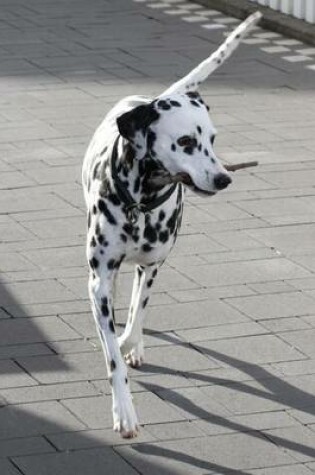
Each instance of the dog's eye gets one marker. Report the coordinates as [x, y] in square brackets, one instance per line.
[186, 141]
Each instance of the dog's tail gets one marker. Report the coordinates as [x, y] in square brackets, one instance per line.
[204, 69]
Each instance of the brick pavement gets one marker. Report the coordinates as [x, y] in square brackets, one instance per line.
[228, 385]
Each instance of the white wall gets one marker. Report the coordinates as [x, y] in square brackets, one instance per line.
[304, 9]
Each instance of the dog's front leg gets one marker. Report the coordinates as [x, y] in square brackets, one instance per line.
[131, 341]
[101, 295]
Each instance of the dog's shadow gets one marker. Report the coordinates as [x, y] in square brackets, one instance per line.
[47, 444]
[276, 390]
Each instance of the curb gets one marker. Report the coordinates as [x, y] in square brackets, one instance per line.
[272, 19]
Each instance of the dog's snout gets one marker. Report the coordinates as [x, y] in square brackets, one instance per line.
[221, 181]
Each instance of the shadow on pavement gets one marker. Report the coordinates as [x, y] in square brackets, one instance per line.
[277, 390]
[44, 438]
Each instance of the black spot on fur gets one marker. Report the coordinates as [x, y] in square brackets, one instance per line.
[195, 103]
[173, 147]
[163, 236]
[89, 220]
[212, 160]
[163, 105]
[189, 150]
[175, 104]
[104, 150]
[93, 263]
[123, 237]
[111, 264]
[110, 380]
[150, 233]
[193, 95]
[199, 147]
[161, 215]
[111, 326]
[199, 129]
[113, 198]
[94, 209]
[171, 222]
[93, 242]
[136, 187]
[128, 228]
[97, 229]
[154, 273]
[126, 380]
[145, 302]
[101, 238]
[206, 152]
[112, 365]
[147, 248]
[103, 208]
[95, 171]
[151, 139]
[150, 282]
[104, 307]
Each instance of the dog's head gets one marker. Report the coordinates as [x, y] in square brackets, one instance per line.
[176, 129]
[178, 132]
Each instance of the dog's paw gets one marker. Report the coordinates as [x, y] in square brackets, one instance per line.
[125, 417]
[135, 357]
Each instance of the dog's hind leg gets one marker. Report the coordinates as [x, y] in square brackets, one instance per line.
[101, 295]
[131, 341]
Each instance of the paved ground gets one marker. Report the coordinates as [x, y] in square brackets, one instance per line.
[228, 387]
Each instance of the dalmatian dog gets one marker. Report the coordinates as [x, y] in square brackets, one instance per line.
[134, 214]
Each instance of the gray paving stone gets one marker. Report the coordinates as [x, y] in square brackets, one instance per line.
[34, 330]
[250, 349]
[302, 340]
[58, 227]
[299, 442]
[24, 446]
[192, 315]
[295, 240]
[48, 392]
[26, 420]
[97, 438]
[13, 376]
[34, 292]
[100, 416]
[289, 470]
[7, 468]
[218, 332]
[177, 358]
[280, 305]
[78, 462]
[30, 349]
[244, 272]
[231, 451]
[65, 368]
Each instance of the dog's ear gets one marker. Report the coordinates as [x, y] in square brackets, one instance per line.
[133, 125]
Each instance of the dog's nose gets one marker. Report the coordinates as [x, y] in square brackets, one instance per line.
[221, 181]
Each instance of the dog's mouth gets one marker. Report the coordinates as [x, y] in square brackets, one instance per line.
[187, 181]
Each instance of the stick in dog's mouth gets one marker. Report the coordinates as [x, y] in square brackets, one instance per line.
[165, 178]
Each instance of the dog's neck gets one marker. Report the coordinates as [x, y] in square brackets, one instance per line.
[136, 175]
[126, 179]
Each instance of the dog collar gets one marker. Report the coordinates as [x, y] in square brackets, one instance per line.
[133, 209]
